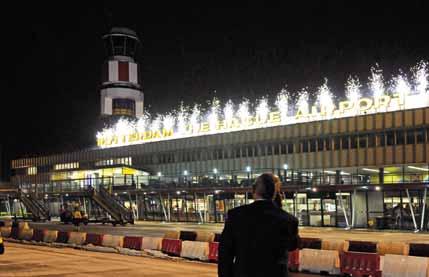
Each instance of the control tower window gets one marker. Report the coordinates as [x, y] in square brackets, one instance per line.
[130, 47]
[124, 107]
[119, 45]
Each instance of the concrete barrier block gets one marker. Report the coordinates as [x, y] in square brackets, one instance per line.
[50, 236]
[172, 235]
[316, 261]
[5, 231]
[77, 238]
[205, 236]
[26, 234]
[113, 241]
[404, 266]
[152, 243]
[195, 250]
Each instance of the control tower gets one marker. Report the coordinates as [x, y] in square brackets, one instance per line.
[121, 91]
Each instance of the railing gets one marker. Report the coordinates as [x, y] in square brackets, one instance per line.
[293, 178]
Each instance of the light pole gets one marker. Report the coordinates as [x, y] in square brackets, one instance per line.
[185, 173]
[248, 170]
[215, 174]
[285, 167]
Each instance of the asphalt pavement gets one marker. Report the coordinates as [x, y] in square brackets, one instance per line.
[29, 260]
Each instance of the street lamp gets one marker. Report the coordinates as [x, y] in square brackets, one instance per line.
[159, 174]
[248, 170]
[285, 167]
[185, 173]
[215, 174]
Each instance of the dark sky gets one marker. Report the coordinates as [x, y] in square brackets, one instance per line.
[53, 54]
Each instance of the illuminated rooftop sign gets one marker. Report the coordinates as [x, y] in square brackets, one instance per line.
[192, 122]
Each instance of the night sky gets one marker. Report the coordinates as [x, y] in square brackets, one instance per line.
[53, 54]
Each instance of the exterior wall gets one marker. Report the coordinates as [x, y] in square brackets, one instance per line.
[148, 156]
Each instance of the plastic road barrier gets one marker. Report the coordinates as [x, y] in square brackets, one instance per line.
[419, 249]
[205, 236]
[362, 246]
[172, 235]
[26, 234]
[152, 243]
[77, 238]
[62, 237]
[360, 264]
[94, 239]
[112, 241]
[197, 250]
[188, 235]
[50, 236]
[293, 260]
[5, 231]
[38, 234]
[217, 237]
[404, 266]
[213, 251]
[317, 261]
[133, 243]
[171, 247]
[311, 243]
[334, 244]
[391, 247]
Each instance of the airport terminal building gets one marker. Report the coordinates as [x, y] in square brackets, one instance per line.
[361, 162]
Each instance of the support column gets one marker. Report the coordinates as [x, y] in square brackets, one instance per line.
[381, 176]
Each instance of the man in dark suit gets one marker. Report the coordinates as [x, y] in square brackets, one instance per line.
[257, 237]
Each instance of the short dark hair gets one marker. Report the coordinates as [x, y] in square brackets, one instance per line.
[265, 186]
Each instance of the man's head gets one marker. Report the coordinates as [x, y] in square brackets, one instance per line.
[264, 187]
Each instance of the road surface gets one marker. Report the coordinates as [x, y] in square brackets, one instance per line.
[29, 260]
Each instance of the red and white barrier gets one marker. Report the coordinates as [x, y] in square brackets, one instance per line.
[317, 261]
[360, 264]
[133, 243]
[151, 243]
[94, 239]
[77, 238]
[171, 247]
[404, 266]
[196, 250]
[62, 237]
[38, 235]
[213, 251]
[112, 241]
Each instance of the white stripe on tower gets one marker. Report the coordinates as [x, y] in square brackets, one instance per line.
[113, 71]
[133, 73]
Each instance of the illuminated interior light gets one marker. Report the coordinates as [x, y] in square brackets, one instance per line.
[329, 172]
[418, 168]
[374, 170]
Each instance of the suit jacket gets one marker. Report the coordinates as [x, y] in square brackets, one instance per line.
[255, 240]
